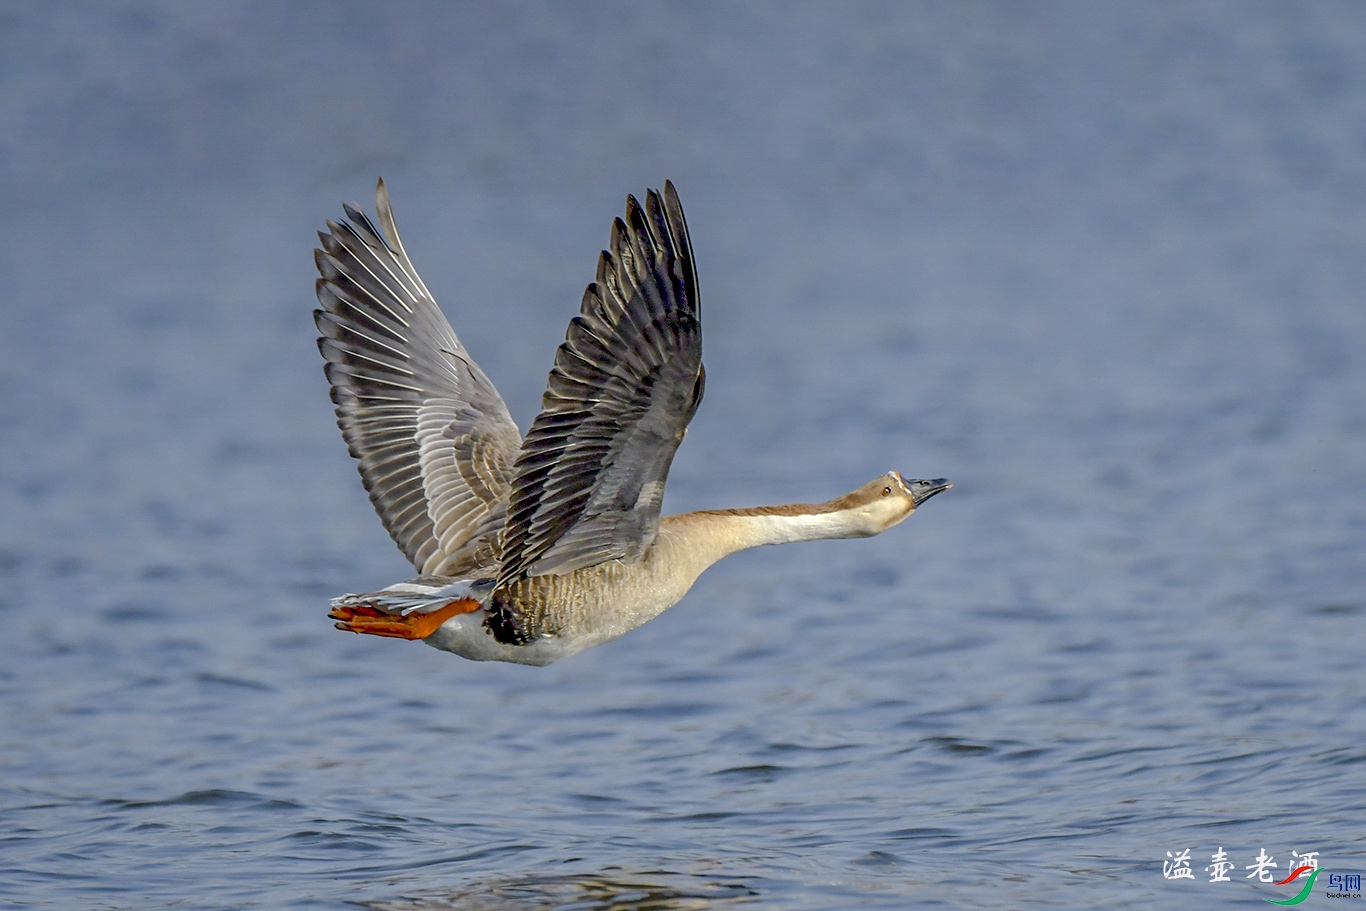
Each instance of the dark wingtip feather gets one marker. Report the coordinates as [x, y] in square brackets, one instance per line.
[363, 226]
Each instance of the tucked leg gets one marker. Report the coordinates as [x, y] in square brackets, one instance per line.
[373, 622]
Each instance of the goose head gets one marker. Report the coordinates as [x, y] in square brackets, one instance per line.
[886, 501]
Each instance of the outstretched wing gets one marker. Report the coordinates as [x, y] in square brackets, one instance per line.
[435, 442]
[627, 380]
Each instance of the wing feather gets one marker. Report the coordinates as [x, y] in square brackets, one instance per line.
[435, 442]
[590, 476]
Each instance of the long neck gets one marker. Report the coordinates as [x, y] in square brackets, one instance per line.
[710, 535]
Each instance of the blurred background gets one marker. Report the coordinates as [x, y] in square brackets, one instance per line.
[1099, 263]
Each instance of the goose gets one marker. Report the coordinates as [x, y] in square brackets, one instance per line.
[532, 549]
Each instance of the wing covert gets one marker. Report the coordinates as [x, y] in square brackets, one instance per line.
[435, 442]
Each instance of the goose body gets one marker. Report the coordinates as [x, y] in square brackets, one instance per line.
[530, 550]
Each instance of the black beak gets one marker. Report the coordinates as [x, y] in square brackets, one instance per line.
[923, 490]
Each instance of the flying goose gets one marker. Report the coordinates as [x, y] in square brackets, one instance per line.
[530, 550]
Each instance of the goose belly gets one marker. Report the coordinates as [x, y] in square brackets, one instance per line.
[572, 613]
[468, 637]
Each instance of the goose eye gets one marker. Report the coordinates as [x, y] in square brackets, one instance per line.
[886, 491]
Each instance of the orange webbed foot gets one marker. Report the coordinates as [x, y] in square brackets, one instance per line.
[373, 622]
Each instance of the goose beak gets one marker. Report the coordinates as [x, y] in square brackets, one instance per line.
[923, 490]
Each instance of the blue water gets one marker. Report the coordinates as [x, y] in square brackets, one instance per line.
[1100, 264]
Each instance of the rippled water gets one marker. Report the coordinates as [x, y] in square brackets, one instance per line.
[1099, 264]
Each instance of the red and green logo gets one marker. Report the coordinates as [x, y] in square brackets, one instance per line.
[1304, 893]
